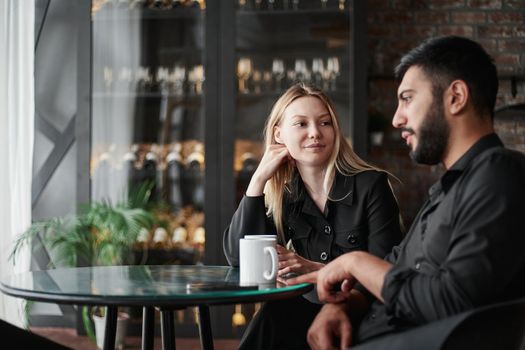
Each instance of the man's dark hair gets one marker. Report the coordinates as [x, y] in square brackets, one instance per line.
[446, 59]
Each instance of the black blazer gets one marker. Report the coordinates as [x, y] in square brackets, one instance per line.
[361, 214]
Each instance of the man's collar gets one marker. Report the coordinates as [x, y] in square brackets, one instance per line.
[488, 141]
[450, 176]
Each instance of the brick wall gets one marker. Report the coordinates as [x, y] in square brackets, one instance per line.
[394, 27]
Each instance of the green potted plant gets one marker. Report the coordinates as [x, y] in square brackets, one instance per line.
[100, 234]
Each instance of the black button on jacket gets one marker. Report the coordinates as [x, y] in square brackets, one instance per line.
[361, 214]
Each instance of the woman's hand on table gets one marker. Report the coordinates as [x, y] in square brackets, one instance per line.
[292, 263]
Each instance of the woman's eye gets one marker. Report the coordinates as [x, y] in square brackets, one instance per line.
[299, 124]
[326, 122]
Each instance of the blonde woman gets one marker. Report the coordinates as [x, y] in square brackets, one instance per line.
[312, 190]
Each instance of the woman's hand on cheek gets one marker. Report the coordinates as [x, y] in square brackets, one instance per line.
[272, 159]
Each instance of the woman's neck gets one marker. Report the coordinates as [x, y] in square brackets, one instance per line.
[313, 179]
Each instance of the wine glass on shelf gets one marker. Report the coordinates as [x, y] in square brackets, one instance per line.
[295, 4]
[323, 3]
[341, 5]
[242, 4]
[143, 79]
[291, 76]
[317, 70]
[162, 79]
[278, 72]
[177, 77]
[258, 4]
[333, 69]
[300, 69]
[257, 78]
[271, 4]
[267, 80]
[124, 78]
[244, 71]
[199, 78]
[108, 78]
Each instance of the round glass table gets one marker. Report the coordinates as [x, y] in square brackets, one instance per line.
[166, 287]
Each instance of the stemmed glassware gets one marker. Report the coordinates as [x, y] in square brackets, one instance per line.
[177, 77]
[244, 71]
[301, 72]
[196, 78]
[317, 70]
[143, 79]
[332, 66]
[278, 72]
[162, 77]
[108, 78]
[124, 78]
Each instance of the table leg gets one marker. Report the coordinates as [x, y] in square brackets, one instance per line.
[205, 328]
[168, 329]
[148, 328]
[111, 328]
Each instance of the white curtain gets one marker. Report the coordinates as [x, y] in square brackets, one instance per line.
[117, 51]
[17, 19]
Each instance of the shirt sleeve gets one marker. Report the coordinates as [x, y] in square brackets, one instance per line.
[484, 254]
[249, 219]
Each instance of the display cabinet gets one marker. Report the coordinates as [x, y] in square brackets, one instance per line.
[179, 93]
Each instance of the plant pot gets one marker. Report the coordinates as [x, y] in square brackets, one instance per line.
[100, 328]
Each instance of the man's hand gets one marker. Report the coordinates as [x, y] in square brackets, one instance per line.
[334, 282]
[331, 323]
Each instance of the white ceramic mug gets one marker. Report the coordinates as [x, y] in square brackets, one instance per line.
[260, 237]
[258, 261]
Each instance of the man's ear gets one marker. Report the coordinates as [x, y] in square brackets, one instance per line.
[457, 97]
[277, 134]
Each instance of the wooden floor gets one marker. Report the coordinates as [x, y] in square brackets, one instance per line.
[68, 337]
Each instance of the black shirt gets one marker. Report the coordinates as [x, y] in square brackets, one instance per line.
[466, 246]
[361, 214]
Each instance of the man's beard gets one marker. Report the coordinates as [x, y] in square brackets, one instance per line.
[432, 136]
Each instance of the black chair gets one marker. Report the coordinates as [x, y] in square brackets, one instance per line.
[496, 326]
[22, 339]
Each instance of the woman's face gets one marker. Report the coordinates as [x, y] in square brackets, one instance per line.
[307, 131]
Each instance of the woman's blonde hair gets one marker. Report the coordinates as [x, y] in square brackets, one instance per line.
[343, 157]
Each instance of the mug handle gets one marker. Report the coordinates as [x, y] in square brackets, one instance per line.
[273, 256]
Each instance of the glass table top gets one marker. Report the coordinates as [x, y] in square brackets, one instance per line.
[142, 284]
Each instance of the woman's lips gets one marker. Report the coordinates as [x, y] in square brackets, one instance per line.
[314, 145]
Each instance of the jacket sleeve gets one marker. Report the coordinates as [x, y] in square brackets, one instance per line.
[384, 231]
[249, 219]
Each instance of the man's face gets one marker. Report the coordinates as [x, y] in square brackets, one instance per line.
[421, 118]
